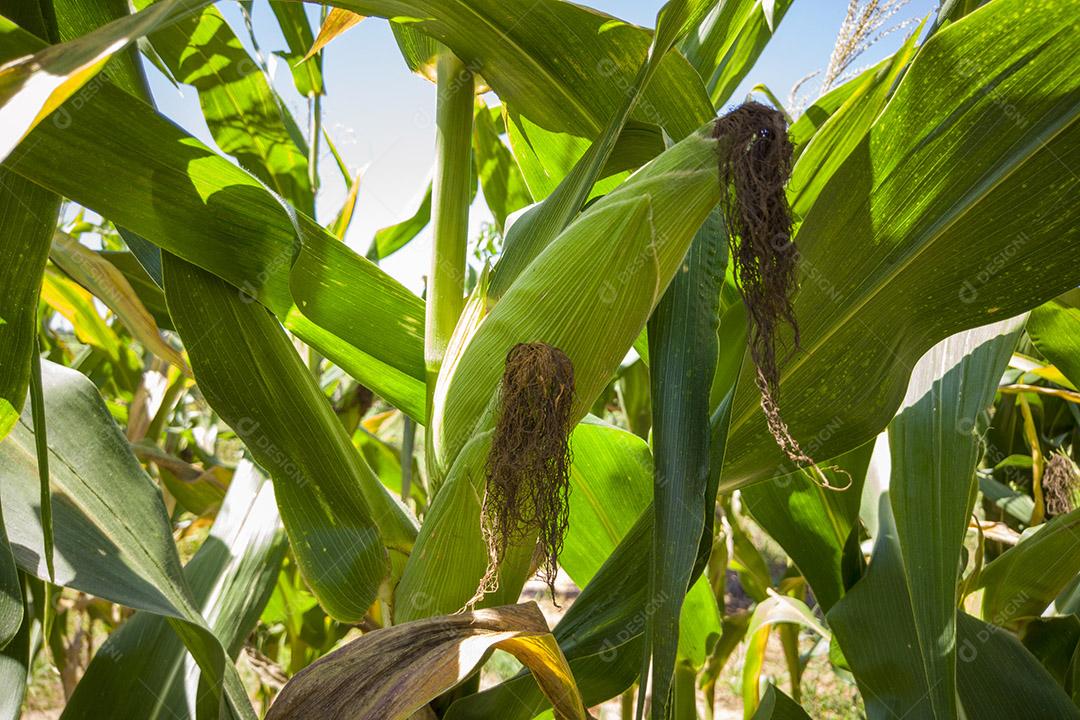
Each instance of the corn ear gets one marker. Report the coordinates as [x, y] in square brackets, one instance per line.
[450, 555]
[588, 293]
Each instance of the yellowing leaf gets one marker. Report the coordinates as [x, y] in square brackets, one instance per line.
[344, 217]
[77, 306]
[108, 284]
[336, 23]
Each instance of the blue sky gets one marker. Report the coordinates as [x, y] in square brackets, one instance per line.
[382, 117]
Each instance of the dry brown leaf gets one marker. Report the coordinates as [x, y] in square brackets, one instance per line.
[391, 673]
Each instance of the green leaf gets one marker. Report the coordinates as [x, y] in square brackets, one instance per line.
[143, 670]
[332, 504]
[1018, 504]
[775, 705]
[41, 447]
[778, 706]
[999, 678]
[814, 117]
[811, 523]
[729, 41]
[11, 599]
[546, 158]
[845, 129]
[390, 239]
[1053, 641]
[386, 460]
[245, 116]
[77, 306]
[418, 50]
[538, 72]
[75, 18]
[774, 610]
[15, 659]
[27, 220]
[633, 393]
[72, 18]
[949, 198]
[1023, 580]
[293, 21]
[146, 254]
[142, 284]
[610, 479]
[910, 588]
[504, 189]
[340, 226]
[682, 352]
[31, 15]
[746, 559]
[537, 228]
[953, 10]
[676, 20]
[197, 490]
[221, 218]
[1055, 329]
[113, 537]
[803, 130]
[700, 624]
[35, 85]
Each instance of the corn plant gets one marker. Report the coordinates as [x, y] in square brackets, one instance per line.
[700, 324]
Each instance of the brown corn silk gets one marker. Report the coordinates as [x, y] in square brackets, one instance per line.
[528, 467]
[1060, 484]
[753, 172]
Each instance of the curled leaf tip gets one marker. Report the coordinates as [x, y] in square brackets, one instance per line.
[528, 467]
